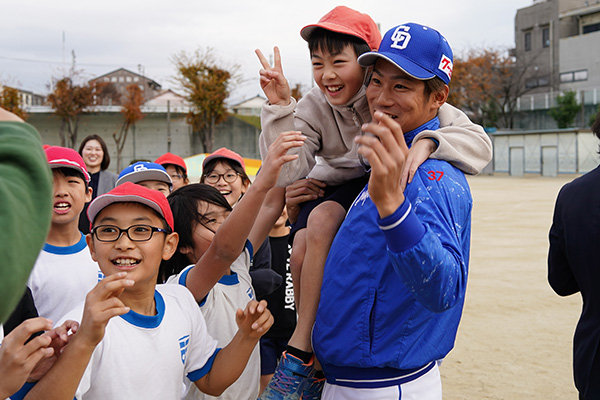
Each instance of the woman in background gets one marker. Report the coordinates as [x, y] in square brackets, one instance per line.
[94, 152]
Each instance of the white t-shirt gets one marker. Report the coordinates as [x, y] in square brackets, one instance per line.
[230, 293]
[147, 357]
[62, 277]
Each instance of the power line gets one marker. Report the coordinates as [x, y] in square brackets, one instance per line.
[57, 62]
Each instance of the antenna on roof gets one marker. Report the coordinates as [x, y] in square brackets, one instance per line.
[63, 47]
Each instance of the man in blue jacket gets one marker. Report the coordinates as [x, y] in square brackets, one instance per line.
[395, 279]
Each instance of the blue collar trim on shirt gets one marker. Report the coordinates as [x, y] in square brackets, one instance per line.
[147, 321]
[183, 277]
[64, 250]
[230, 280]
[248, 246]
[431, 125]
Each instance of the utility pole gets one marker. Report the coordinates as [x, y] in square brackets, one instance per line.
[169, 126]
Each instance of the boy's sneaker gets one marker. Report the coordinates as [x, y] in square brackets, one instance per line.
[289, 380]
[313, 388]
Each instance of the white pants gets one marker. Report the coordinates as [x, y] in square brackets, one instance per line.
[426, 387]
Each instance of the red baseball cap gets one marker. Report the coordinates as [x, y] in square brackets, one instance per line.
[170, 158]
[59, 157]
[224, 153]
[131, 193]
[350, 22]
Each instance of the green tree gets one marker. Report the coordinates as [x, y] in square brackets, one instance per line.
[593, 117]
[207, 86]
[132, 113]
[9, 100]
[70, 101]
[566, 110]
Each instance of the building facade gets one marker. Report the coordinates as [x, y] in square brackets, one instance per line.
[116, 86]
[162, 129]
[557, 45]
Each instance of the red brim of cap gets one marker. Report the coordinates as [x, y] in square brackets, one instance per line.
[70, 164]
[103, 201]
[308, 29]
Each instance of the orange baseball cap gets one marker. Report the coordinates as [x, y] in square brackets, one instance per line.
[224, 153]
[350, 22]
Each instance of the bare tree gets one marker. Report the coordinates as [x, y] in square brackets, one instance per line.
[132, 113]
[487, 84]
[70, 101]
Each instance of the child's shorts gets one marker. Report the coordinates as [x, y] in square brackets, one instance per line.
[270, 352]
[343, 194]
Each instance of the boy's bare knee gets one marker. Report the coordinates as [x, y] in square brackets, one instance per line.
[324, 221]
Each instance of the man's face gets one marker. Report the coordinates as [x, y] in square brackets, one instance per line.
[70, 195]
[400, 96]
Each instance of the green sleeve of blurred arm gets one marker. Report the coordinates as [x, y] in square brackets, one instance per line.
[25, 208]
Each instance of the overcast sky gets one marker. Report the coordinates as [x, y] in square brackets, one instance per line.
[106, 35]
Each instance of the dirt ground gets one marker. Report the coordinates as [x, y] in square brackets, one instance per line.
[515, 337]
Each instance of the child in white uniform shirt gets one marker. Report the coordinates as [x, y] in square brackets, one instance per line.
[64, 271]
[222, 283]
[157, 335]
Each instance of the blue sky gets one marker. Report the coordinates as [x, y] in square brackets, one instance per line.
[111, 34]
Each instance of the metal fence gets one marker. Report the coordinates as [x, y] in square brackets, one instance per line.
[545, 101]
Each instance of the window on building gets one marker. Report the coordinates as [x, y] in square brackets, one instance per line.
[128, 78]
[546, 37]
[537, 82]
[591, 28]
[566, 77]
[528, 41]
[113, 78]
[121, 79]
[141, 87]
[531, 83]
[574, 76]
[106, 79]
[580, 75]
[136, 78]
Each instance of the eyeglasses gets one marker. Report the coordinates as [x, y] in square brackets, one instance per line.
[228, 177]
[135, 233]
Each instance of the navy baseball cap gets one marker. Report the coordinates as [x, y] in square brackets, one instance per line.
[144, 171]
[420, 51]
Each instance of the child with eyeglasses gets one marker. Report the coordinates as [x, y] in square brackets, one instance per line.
[176, 168]
[225, 170]
[157, 334]
[209, 228]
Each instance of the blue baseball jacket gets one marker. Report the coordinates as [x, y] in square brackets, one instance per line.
[393, 289]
